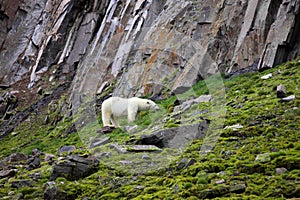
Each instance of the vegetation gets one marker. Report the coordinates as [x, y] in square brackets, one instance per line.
[243, 164]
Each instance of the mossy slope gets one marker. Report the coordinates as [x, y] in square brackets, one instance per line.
[231, 171]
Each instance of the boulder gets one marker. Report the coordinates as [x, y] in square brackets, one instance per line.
[99, 142]
[263, 158]
[13, 158]
[176, 137]
[7, 103]
[187, 104]
[34, 163]
[54, 193]
[7, 173]
[281, 91]
[267, 76]
[66, 149]
[21, 183]
[74, 167]
[234, 127]
[287, 99]
[280, 170]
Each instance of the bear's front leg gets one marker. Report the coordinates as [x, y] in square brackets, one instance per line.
[132, 111]
[115, 122]
[106, 118]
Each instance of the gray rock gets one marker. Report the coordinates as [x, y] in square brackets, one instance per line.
[105, 130]
[141, 148]
[182, 164]
[287, 99]
[191, 162]
[100, 142]
[34, 163]
[7, 173]
[238, 188]
[119, 148]
[221, 181]
[54, 193]
[66, 149]
[146, 157]
[49, 157]
[36, 152]
[267, 76]
[281, 170]
[7, 104]
[234, 127]
[40, 91]
[104, 155]
[174, 137]
[187, 104]
[74, 168]
[35, 176]
[21, 183]
[281, 91]
[13, 158]
[263, 158]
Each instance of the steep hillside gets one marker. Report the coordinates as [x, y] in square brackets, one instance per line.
[229, 108]
[253, 152]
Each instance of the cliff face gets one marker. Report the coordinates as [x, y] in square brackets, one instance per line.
[227, 136]
[144, 42]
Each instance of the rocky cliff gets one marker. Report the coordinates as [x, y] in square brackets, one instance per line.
[149, 38]
[216, 135]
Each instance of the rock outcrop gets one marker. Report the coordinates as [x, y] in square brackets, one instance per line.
[150, 44]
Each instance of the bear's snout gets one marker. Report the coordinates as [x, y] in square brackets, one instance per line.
[155, 107]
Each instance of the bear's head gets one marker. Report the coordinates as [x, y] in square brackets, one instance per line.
[150, 105]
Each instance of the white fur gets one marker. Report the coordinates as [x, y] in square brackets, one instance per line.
[115, 107]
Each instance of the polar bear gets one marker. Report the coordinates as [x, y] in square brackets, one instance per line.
[115, 107]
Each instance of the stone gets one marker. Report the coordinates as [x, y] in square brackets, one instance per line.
[13, 158]
[103, 155]
[17, 157]
[146, 157]
[176, 137]
[187, 104]
[182, 164]
[54, 193]
[221, 181]
[36, 152]
[34, 163]
[49, 157]
[141, 148]
[191, 162]
[130, 129]
[100, 142]
[280, 170]
[40, 91]
[35, 176]
[287, 99]
[8, 102]
[234, 127]
[21, 183]
[7, 173]
[118, 148]
[238, 188]
[267, 76]
[125, 162]
[263, 158]
[4, 86]
[66, 149]
[281, 91]
[74, 167]
[105, 130]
